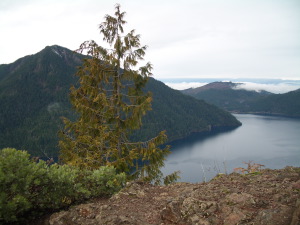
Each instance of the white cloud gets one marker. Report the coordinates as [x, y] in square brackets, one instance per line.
[277, 86]
[184, 85]
[186, 38]
[273, 88]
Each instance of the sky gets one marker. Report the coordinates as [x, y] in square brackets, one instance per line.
[221, 39]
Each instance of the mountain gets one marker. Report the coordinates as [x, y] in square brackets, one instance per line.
[226, 95]
[34, 94]
[287, 104]
[213, 85]
[181, 115]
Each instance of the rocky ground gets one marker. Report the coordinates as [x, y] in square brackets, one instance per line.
[269, 197]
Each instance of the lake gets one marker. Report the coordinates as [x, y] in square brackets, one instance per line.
[269, 140]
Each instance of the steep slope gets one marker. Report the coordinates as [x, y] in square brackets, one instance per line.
[226, 96]
[34, 94]
[287, 104]
[181, 115]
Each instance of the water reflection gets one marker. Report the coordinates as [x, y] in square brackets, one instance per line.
[272, 141]
[195, 138]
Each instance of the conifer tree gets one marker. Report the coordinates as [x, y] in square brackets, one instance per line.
[110, 104]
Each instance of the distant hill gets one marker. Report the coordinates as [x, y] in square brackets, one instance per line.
[181, 115]
[34, 94]
[287, 104]
[213, 85]
[226, 95]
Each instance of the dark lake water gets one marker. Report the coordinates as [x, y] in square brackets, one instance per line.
[268, 140]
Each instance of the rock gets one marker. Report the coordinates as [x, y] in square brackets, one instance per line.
[296, 214]
[115, 219]
[269, 198]
[171, 212]
[60, 218]
[132, 188]
[241, 199]
[194, 219]
[235, 217]
[281, 215]
[81, 214]
[296, 185]
[192, 206]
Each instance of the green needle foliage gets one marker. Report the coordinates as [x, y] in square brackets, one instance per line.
[110, 104]
[30, 188]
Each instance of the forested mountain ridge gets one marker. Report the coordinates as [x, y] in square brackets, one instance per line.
[214, 85]
[287, 104]
[225, 95]
[34, 94]
[181, 115]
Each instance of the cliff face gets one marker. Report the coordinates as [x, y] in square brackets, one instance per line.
[269, 197]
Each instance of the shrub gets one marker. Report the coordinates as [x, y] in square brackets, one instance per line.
[15, 181]
[27, 186]
[252, 168]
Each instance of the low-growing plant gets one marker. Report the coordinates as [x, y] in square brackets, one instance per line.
[169, 179]
[252, 168]
[34, 186]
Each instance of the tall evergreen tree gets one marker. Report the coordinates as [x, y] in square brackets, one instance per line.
[110, 104]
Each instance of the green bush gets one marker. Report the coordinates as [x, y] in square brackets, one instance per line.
[28, 186]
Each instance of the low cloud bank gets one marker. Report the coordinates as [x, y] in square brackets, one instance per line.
[184, 85]
[276, 88]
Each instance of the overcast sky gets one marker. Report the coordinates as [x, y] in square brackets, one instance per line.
[186, 38]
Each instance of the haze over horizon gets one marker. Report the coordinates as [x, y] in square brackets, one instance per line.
[187, 39]
[276, 86]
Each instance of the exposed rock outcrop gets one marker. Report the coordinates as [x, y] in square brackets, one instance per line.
[271, 197]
